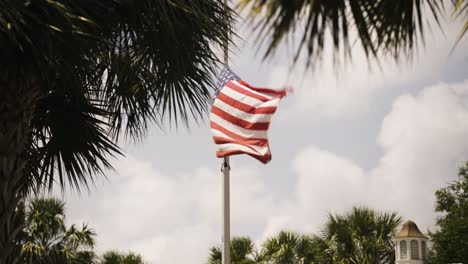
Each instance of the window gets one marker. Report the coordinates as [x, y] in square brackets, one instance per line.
[403, 250]
[414, 249]
[423, 250]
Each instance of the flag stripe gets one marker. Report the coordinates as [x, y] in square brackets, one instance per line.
[240, 117]
[239, 122]
[245, 91]
[251, 141]
[225, 141]
[218, 130]
[235, 146]
[240, 97]
[241, 114]
[264, 91]
[265, 158]
[244, 107]
[245, 133]
[252, 101]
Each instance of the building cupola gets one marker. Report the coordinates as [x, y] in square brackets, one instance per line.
[410, 245]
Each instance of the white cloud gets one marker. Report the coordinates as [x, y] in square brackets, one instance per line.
[331, 92]
[176, 218]
[423, 141]
[169, 219]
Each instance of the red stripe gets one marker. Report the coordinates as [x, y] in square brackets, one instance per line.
[239, 122]
[280, 93]
[245, 107]
[243, 91]
[263, 159]
[221, 141]
[252, 141]
[247, 143]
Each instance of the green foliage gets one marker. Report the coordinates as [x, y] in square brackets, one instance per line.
[450, 242]
[46, 239]
[461, 9]
[115, 257]
[360, 236]
[242, 252]
[292, 248]
[393, 27]
[102, 68]
[78, 76]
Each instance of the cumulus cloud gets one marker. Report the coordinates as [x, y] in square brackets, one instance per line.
[176, 218]
[331, 92]
[168, 218]
[423, 142]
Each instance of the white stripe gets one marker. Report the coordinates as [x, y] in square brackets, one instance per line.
[268, 96]
[247, 99]
[233, 146]
[217, 133]
[252, 118]
[246, 133]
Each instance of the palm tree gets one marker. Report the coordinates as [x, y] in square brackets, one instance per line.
[46, 239]
[76, 76]
[391, 27]
[292, 248]
[242, 252]
[114, 257]
[281, 249]
[361, 236]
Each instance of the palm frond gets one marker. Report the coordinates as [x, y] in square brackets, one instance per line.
[461, 10]
[361, 235]
[46, 239]
[107, 67]
[382, 26]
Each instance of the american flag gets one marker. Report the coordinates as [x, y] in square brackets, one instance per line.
[240, 117]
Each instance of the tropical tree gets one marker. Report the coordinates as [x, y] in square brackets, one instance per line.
[242, 252]
[293, 248]
[79, 75]
[281, 248]
[47, 240]
[450, 241]
[361, 235]
[381, 27]
[115, 257]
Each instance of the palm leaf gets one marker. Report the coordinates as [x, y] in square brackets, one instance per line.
[107, 67]
[461, 9]
[384, 26]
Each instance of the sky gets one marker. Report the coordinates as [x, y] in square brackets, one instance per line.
[385, 138]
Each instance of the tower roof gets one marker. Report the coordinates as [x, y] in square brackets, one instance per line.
[410, 229]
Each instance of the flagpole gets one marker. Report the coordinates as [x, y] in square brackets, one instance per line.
[226, 239]
[226, 251]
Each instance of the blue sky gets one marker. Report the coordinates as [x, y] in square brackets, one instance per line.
[386, 138]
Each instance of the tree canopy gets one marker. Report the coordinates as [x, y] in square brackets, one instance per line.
[380, 27]
[242, 252]
[47, 240]
[450, 241]
[78, 76]
[115, 257]
[359, 236]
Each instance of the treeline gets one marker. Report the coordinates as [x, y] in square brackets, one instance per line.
[363, 236]
[45, 238]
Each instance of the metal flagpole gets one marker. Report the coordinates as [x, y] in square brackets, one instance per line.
[226, 239]
[226, 253]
